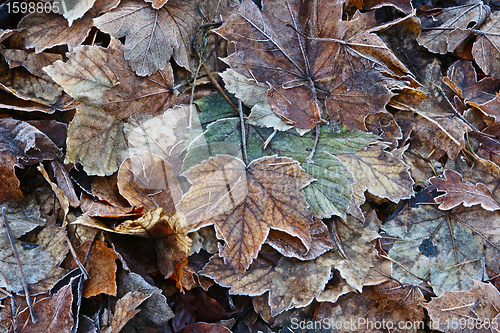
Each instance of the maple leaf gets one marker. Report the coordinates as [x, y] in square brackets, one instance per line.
[482, 95]
[486, 47]
[479, 304]
[245, 202]
[439, 36]
[458, 192]
[306, 53]
[443, 247]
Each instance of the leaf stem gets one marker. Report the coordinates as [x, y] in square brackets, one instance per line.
[19, 265]
[243, 133]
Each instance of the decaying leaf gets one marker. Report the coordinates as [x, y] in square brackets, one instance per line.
[304, 63]
[126, 309]
[77, 11]
[438, 34]
[479, 306]
[459, 192]
[95, 140]
[152, 36]
[245, 202]
[444, 248]
[486, 50]
[63, 201]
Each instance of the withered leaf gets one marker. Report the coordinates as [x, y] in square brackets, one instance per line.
[21, 145]
[480, 304]
[246, 202]
[486, 48]
[145, 179]
[99, 208]
[152, 36]
[63, 201]
[459, 192]
[65, 183]
[304, 63]
[469, 15]
[126, 309]
[95, 140]
[76, 11]
[292, 283]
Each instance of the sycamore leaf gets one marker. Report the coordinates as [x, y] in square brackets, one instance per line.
[444, 247]
[459, 192]
[292, 283]
[245, 202]
[486, 48]
[302, 63]
[379, 172]
[147, 180]
[48, 29]
[126, 309]
[21, 144]
[152, 36]
[482, 95]
[480, 305]
[95, 140]
[469, 15]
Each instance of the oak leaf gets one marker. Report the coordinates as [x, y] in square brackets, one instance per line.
[458, 192]
[246, 202]
[480, 305]
[332, 60]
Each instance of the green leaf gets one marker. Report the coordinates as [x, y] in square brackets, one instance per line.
[213, 107]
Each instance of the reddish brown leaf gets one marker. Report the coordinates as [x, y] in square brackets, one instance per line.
[205, 328]
[459, 192]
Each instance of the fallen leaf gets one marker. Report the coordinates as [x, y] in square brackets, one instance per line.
[152, 36]
[126, 309]
[458, 192]
[204, 327]
[147, 180]
[245, 202]
[54, 314]
[479, 306]
[95, 140]
[76, 11]
[444, 248]
[486, 47]
[21, 145]
[469, 15]
[99, 208]
[22, 216]
[63, 201]
[304, 64]
[65, 183]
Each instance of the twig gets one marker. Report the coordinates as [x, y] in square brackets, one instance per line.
[78, 263]
[217, 85]
[309, 158]
[19, 265]
[6, 292]
[243, 134]
[14, 313]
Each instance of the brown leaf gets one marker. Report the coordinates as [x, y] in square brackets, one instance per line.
[152, 36]
[458, 192]
[205, 328]
[126, 309]
[99, 208]
[246, 202]
[440, 40]
[486, 47]
[157, 4]
[54, 314]
[482, 95]
[65, 183]
[303, 64]
[147, 180]
[377, 309]
[379, 172]
[63, 201]
[106, 189]
[479, 305]
[95, 140]
[21, 145]
[46, 30]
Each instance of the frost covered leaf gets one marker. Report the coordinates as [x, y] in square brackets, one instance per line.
[444, 247]
[54, 314]
[273, 47]
[77, 11]
[459, 192]
[480, 305]
[469, 15]
[46, 30]
[486, 48]
[85, 76]
[482, 95]
[245, 202]
[126, 309]
[21, 144]
[379, 172]
[152, 36]
[95, 140]
[292, 283]
[147, 180]
[22, 216]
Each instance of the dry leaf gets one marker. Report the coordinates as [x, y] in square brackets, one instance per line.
[76, 11]
[245, 202]
[487, 45]
[147, 180]
[459, 192]
[126, 309]
[95, 140]
[63, 201]
[65, 183]
[478, 306]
